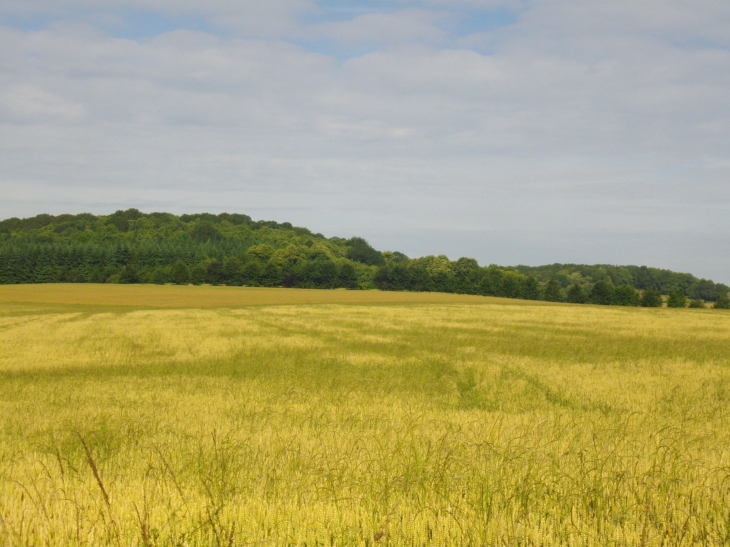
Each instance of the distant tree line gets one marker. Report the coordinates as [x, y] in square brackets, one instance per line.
[232, 249]
[639, 277]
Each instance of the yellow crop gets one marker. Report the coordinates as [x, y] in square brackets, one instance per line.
[229, 416]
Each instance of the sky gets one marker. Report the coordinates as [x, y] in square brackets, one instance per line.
[511, 131]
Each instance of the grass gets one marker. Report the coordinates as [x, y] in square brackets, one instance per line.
[222, 416]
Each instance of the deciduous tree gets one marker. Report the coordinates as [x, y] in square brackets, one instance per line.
[723, 302]
[179, 273]
[602, 293]
[553, 291]
[625, 295]
[576, 294]
[677, 299]
[651, 298]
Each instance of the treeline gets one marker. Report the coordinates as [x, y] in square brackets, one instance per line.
[638, 277]
[463, 276]
[232, 249]
[231, 263]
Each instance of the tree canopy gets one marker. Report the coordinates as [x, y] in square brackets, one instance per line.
[232, 249]
[638, 277]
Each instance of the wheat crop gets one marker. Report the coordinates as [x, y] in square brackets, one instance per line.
[402, 422]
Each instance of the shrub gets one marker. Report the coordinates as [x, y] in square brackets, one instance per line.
[697, 303]
[723, 302]
[651, 298]
[625, 295]
[677, 299]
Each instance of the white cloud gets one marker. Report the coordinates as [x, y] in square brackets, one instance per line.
[26, 104]
[674, 20]
[612, 116]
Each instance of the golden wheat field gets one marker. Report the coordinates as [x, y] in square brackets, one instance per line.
[229, 416]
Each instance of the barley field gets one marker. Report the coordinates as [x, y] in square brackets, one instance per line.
[209, 416]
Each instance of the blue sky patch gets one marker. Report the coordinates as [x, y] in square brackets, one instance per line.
[473, 21]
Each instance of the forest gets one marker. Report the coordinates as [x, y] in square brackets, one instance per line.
[232, 249]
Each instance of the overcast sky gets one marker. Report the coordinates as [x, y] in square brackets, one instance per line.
[515, 131]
